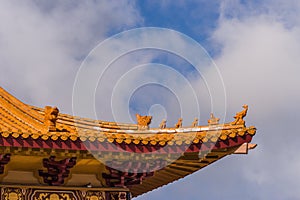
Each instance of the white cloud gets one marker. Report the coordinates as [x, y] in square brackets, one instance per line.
[259, 62]
[43, 44]
[121, 74]
[259, 59]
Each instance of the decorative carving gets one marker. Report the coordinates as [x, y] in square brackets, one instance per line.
[51, 114]
[54, 196]
[179, 123]
[118, 178]
[163, 124]
[118, 196]
[195, 122]
[4, 159]
[95, 195]
[57, 171]
[133, 173]
[239, 117]
[143, 121]
[11, 194]
[66, 193]
[213, 120]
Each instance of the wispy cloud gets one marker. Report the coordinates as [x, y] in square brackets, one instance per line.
[259, 45]
[259, 63]
[43, 44]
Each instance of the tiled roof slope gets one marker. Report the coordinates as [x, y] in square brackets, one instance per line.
[19, 119]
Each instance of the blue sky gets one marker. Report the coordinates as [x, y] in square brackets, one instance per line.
[188, 18]
[254, 44]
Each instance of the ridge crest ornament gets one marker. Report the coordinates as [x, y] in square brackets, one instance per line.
[143, 121]
[51, 114]
[239, 117]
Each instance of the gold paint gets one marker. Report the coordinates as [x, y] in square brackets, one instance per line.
[94, 197]
[54, 197]
[163, 124]
[179, 123]
[51, 114]
[143, 121]
[239, 117]
[213, 120]
[13, 196]
[195, 122]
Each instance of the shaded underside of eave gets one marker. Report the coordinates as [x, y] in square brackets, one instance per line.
[193, 158]
[87, 169]
[179, 169]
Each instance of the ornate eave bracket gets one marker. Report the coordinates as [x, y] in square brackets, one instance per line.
[57, 171]
[4, 159]
[133, 172]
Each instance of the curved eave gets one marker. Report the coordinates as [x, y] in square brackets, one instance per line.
[192, 157]
[104, 141]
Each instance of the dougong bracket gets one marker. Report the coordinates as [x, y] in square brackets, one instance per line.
[4, 159]
[57, 171]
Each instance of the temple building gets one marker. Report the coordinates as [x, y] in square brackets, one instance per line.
[47, 155]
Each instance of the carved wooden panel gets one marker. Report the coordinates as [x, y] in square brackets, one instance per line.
[25, 193]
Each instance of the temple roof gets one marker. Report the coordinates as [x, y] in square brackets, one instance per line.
[19, 119]
[37, 133]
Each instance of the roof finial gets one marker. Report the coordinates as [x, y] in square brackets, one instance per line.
[143, 121]
[51, 114]
[213, 120]
[163, 124]
[195, 122]
[239, 117]
[179, 123]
